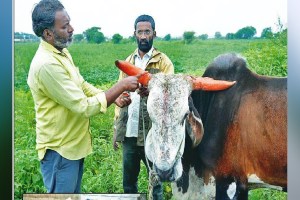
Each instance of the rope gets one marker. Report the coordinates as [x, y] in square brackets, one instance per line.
[153, 176]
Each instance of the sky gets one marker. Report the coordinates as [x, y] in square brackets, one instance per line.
[171, 16]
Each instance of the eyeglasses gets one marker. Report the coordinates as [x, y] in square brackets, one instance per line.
[146, 32]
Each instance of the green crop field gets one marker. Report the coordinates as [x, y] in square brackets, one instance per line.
[103, 168]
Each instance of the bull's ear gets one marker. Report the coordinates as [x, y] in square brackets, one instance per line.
[194, 128]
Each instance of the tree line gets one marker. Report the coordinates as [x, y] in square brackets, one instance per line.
[94, 35]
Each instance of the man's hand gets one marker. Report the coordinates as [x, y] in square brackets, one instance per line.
[130, 83]
[115, 143]
[143, 91]
[123, 100]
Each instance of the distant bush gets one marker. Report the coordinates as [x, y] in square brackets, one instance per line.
[78, 37]
[189, 36]
[203, 37]
[94, 35]
[270, 59]
[245, 33]
[218, 35]
[167, 37]
[117, 38]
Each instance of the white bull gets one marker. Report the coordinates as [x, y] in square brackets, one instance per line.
[165, 140]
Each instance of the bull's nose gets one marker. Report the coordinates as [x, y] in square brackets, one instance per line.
[165, 175]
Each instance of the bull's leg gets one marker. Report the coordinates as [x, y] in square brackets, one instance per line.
[242, 191]
[228, 188]
[222, 185]
[183, 183]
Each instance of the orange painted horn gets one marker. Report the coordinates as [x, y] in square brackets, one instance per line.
[132, 70]
[210, 84]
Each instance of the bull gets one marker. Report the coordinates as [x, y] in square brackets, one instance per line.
[227, 134]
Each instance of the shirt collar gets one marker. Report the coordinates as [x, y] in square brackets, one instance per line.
[148, 54]
[49, 47]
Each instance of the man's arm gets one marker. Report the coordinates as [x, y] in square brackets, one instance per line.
[127, 84]
[57, 85]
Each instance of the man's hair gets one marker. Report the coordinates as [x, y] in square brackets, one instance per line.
[43, 15]
[145, 18]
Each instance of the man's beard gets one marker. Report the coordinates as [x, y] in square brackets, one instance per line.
[145, 45]
[61, 43]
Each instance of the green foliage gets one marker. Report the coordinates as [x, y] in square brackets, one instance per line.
[267, 33]
[23, 54]
[280, 38]
[93, 35]
[230, 36]
[96, 62]
[129, 40]
[245, 33]
[218, 35]
[132, 38]
[78, 37]
[259, 194]
[117, 38]
[103, 168]
[203, 36]
[27, 177]
[270, 59]
[188, 36]
[167, 37]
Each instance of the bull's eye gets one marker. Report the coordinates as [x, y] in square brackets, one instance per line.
[184, 117]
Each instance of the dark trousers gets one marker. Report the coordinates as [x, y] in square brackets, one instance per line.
[132, 156]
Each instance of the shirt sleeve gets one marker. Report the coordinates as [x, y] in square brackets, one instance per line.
[80, 97]
[168, 67]
[88, 89]
[117, 108]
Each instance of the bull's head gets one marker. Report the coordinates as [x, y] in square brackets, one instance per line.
[168, 108]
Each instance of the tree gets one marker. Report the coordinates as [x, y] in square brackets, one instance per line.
[246, 32]
[267, 33]
[116, 39]
[218, 35]
[167, 37]
[230, 36]
[281, 35]
[93, 35]
[78, 37]
[188, 36]
[203, 37]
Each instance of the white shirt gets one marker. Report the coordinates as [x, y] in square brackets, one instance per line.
[134, 107]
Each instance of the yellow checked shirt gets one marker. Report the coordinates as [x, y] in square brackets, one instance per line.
[64, 101]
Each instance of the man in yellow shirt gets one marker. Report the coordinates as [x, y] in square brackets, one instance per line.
[64, 101]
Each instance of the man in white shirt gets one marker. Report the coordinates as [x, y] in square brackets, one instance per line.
[129, 120]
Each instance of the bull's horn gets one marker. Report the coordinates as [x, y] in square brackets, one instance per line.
[132, 70]
[210, 84]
